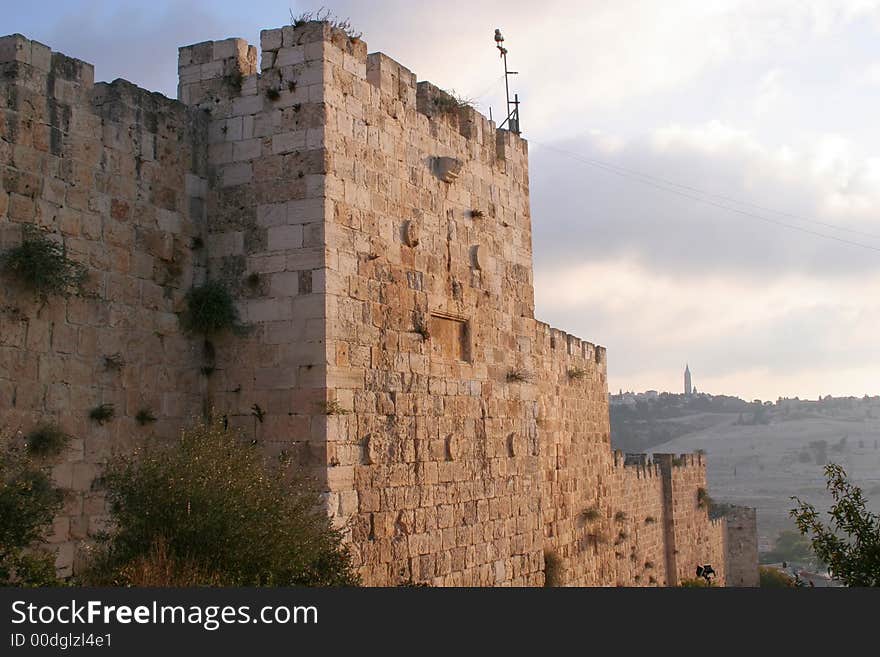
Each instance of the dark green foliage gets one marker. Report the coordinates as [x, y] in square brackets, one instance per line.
[210, 309]
[212, 506]
[850, 544]
[46, 440]
[650, 520]
[144, 417]
[42, 265]
[694, 583]
[577, 373]
[476, 214]
[552, 569]
[235, 80]
[704, 500]
[28, 502]
[103, 413]
[774, 579]
[620, 516]
[272, 93]
[332, 407]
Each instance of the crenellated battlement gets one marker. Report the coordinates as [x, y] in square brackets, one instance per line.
[375, 235]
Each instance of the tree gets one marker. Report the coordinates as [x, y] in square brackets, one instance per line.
[850, 545]
[210, 509]
[791, 546]
[28, 502]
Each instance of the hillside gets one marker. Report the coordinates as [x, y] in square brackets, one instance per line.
[765, 454]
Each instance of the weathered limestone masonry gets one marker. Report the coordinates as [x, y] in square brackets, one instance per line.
[117, 175]
[378, 238]
[742, 548]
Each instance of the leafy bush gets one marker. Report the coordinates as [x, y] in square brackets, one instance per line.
[773, 578]
[28, 502]
[693, 583]
[43, 266]
[46, 440]
[102, 413]
[850, 544]
[210, 309]
[209, 510]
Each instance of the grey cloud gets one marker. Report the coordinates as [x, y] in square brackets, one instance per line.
[581, 212]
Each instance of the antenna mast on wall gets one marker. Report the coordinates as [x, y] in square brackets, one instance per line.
[512, 119]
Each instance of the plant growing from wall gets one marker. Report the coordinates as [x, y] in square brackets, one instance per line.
[332, 407]
[448, 103]
[46, 440]
[325, 16]
[144, 417]
[28, 503]
[650, 520]
[477, 214]
[273, 94]
[102, 413]
[577, 373]
[620, 516]
[704, 500]
[212, 510]
[210, 309]
[519, 375]
[42, 265]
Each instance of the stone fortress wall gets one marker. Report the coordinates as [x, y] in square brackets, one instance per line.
[377, 237]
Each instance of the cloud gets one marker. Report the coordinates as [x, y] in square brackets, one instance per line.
[584, 211]
[799, 332]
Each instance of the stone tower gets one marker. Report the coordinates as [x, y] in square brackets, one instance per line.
[376, 235]
[688, 388]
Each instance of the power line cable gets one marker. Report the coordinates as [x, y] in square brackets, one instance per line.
[670, 187]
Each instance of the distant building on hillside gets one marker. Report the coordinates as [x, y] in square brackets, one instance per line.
[688, 388]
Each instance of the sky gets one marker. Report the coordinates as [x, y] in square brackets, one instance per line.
[705, 176]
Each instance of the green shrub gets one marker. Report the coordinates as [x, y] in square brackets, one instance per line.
[42, 265]
[102, 413]
[774, 578]
[210, 309]
[144, 417]
[46, 440]
[28, 503]
[693, 583]
[209, 510]
[704, 500]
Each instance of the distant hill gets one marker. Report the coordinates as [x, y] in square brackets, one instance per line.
[760, 454]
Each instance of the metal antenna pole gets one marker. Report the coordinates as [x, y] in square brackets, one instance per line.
[512, 114]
